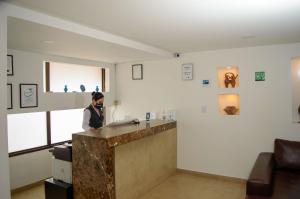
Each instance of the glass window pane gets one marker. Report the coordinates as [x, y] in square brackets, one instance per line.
[64, 123]
[26, 130]
[73, 76]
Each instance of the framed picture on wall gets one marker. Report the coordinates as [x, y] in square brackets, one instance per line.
[9, 96]
[10, 65]
[28, 95]
[187, 71]
[260, 76]
[137, 72]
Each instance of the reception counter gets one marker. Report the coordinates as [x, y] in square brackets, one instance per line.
[123, 162]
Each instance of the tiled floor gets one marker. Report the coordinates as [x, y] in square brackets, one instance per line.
[191, 186]
[33, 193]
[178, 186]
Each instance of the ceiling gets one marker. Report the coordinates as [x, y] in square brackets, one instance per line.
[28, 36]
[183, 25]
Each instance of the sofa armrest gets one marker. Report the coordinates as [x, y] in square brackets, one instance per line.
[260, 181]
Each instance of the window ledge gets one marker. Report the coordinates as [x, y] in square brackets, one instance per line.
[35, 149]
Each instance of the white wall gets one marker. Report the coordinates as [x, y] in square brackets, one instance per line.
[30, 168]
[28, 68]
[4, 168]
[210, 142]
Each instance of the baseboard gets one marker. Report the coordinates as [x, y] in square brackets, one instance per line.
[24, 188]
[196, 173]
[208, 175]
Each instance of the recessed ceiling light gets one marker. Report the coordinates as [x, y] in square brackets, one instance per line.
[48, 41]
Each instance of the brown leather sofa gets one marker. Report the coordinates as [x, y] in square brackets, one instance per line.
[276, 175]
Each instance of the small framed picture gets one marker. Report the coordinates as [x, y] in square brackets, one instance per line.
[9, 96]
[137, 72]
[206, 83]
[148, 116]
[260, 76]
[187, 71]
[28, 95]
[10, 65]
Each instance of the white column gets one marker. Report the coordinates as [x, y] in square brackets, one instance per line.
[4, 160]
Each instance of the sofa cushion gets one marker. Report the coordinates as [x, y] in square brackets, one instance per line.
[286, 186]
[287, 154]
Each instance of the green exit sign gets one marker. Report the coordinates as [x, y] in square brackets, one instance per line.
[260, 76]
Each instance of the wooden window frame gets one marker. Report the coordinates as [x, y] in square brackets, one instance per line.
[47, 78]
[48, 117]
[39, 148]
[103, 79]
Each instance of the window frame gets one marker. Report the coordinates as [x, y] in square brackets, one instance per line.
[48, 145]
[44, 147]
[49, 131]
[47, 74]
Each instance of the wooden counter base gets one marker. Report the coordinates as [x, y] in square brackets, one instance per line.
[143, 156]
[143, 164]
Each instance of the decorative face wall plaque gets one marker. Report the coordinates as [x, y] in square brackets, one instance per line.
[230, 79]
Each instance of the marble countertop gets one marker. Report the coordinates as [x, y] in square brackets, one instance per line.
[117, 135]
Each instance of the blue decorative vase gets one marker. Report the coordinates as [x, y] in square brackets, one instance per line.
[66, 88]
[97, 88]
[82, 88]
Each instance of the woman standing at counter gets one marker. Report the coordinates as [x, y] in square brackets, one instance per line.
[93, 115]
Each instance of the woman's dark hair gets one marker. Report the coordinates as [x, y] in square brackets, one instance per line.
[97, 95]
